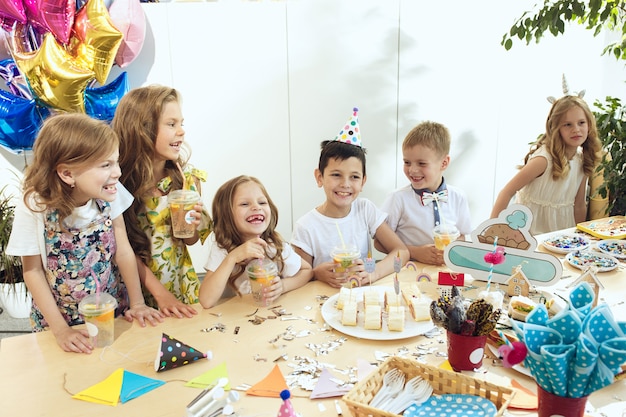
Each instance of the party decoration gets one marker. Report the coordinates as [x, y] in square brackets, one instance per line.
[576, 352]
[13, 10]
[13, 79]
[270, 386]
[98, 39]
[101, 102]
[209, 378]
[351, 132]
[174, 354]
[121, 385]
[54, 76]
[20, 120]
[54, 16]
[129, 18]
[512, 353]
[327, 386]
[512, 229]
[286, 409]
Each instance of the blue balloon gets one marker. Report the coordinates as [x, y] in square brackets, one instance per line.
[20, 121]
[101, 102]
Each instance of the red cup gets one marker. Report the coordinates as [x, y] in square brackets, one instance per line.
[465, 353]
[551, 405]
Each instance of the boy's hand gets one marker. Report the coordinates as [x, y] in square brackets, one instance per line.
[325, 272]
[144, 313]
[428, 254]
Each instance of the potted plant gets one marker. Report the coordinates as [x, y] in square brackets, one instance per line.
[611, 122]
[13, 293]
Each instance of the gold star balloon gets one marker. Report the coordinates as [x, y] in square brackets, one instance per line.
[53, 75]
[96, 40]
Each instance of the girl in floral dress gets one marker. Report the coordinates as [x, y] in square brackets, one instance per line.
[153, 158]
[69, 231]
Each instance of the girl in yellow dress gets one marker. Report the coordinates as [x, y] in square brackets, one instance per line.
[153, 159]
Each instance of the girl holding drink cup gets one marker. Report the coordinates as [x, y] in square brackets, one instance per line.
[70, 233]
[153, 157]
[245, 230]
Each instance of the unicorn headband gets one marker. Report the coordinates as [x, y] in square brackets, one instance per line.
[580, 94]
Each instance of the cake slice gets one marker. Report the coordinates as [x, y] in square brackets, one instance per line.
[392, 299]
[370, 297]
[345, 296]
[395, 318]
[420, 309]
[410, 292]
[373, 317]
[349, 314]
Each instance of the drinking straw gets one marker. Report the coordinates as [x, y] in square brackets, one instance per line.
[183, 174]
[343, 243]
[495, 247]
[98, 286]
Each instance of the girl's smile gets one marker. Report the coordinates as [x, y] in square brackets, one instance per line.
[251, 210]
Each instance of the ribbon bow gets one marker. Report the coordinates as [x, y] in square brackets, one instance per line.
[428, 198]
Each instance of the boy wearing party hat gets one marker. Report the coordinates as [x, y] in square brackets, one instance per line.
[344, 219]
[415, 209]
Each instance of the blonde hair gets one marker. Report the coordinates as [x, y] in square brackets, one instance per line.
[555, 145]
[72, 139]
[431, 135]
[136, 122]
[227, 235]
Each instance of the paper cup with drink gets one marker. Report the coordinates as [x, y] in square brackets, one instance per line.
[344, 257]
[182, 204]
[444, 234]
[98, 310]
[261, 273]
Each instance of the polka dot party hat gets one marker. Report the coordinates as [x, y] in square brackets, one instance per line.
[286, 409]
[351, 132]
[174, 354]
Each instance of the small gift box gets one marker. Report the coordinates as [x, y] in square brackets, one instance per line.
[446, 280]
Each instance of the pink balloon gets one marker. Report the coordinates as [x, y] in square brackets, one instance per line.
[13, 9]
[55, 16]
[129, 18]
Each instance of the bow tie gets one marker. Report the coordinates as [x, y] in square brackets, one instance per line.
[428, 198]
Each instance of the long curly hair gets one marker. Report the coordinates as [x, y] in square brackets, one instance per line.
[136, 122]
[555, 144]
[72, 139]
[226, 234]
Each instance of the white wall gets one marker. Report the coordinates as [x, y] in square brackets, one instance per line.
[264, 83]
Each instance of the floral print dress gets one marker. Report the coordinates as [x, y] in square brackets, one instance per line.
[171, 262]
[80, 262]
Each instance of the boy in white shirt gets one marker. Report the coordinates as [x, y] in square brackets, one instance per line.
[343, 216]
[415, 209]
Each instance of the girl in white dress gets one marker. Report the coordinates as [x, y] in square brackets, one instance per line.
[552, 182]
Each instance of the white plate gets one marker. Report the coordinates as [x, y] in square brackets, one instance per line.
[580, 259]
[613, 247]
[565, 243]
[453, 405]
[332, 316]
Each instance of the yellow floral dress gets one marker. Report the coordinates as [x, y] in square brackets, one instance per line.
[171, 262]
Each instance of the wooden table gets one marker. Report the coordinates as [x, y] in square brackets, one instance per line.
[38, 378]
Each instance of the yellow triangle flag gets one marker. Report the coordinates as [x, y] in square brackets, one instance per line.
[106, 392]
[209, 379]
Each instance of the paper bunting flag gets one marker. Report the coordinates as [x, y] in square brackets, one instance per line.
[121, 385]
[135, 385]
[270, 386]
[326, 387]
[174, 354]
[106, 392]
[210, 378]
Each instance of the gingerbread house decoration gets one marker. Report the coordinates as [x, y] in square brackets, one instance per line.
[518, 283]
[589, 276]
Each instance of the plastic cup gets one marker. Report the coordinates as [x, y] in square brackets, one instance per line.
[260, 272]
[344, 257]
[98, 310]
[181, 207]
[444, 235]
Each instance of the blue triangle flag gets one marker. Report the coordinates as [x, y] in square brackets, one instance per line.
[134, 385]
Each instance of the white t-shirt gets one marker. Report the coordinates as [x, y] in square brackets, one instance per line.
[317, 234]
[413, 222]
[292, 264]
[27, 236]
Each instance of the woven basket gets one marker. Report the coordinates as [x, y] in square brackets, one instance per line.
[442, 381]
